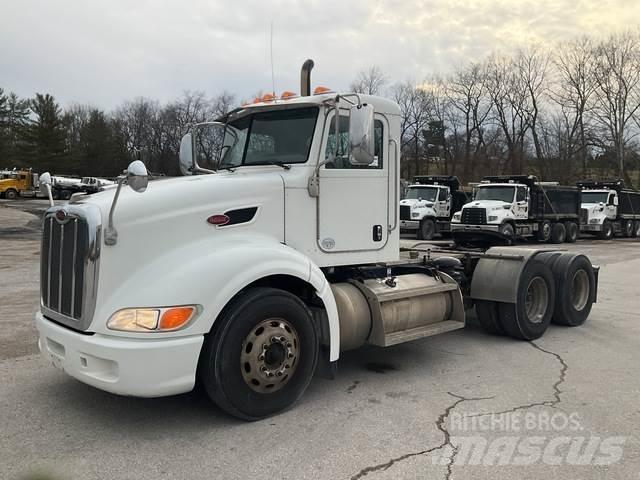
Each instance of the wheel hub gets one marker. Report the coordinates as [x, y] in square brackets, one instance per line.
[269, 355]
[536, 300]
[580, 290]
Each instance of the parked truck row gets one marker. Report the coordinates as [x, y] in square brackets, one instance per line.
[25, 183]
[251, 278]
[505, 208]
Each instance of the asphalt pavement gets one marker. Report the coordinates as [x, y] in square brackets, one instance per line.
[455, 406]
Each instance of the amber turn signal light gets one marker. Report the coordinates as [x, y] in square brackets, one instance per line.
[176, 317]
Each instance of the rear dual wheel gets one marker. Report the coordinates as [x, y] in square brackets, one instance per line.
[261, 355]
[628, 228]
[554, 287]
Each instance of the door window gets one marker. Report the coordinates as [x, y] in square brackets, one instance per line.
[341, 160]
[442, 195]
[521, 194]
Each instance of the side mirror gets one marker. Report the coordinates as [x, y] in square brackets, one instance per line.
[186, 155]
[615, 201]
[137, 176]
[45, 180]
[361, 144]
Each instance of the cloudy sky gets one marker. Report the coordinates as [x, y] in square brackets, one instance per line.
[106, 51]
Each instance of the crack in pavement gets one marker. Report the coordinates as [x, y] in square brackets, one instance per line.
[440, 425]
[556, 387]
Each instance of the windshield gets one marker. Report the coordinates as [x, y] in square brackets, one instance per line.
[594, 197]
[503, 194]
[281, 136]
[425, 193]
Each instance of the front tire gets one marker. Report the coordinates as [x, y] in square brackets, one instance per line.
[507, 231]
[427, 229]
[607, 231]
[261, 354]
[10, 194]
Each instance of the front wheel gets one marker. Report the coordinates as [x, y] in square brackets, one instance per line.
[607, 230]
[261, 354]
[427, 229]
[10, 194]
[507, 231]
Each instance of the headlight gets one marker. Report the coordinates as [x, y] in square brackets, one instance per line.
[415, 214]
[593, 220]
[456, 217]
[161, 319]
[493, 218]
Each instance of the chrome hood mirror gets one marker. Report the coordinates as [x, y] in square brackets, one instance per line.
[361, 144]
[45, 180]
[137, 176]
[186, 163]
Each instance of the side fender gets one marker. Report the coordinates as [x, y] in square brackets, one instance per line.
[211, 277]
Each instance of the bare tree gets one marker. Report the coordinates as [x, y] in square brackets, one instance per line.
[468, 95]
[509, 98]
[617, 98]
[370, 81]
[572, 91]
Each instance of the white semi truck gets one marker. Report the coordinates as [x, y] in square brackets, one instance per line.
[429, 204]
[608, 208]
[252, 279]
[505, 208]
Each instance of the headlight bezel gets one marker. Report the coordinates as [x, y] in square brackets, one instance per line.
[127, 319]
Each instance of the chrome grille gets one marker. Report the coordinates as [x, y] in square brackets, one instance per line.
[474, 216]
[584, 216]
[405, 212]
[69, 264]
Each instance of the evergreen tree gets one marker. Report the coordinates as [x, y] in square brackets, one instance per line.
[43, 139]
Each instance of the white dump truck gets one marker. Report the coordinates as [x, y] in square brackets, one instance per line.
[253, 278]
[608, 208]
[508, 207]
[429, 204]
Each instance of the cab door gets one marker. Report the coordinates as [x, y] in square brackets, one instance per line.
[353, 213]
[443, 202]
[522, 203]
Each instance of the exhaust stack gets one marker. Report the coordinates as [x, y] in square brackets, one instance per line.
[305, 78]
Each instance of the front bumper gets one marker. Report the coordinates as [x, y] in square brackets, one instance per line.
[591, 227]
[410, 224]
[125, 366]
[477, 234]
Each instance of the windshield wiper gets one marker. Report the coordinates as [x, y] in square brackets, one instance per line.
[279, 164]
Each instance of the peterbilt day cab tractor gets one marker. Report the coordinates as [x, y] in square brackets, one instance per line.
[508, 207]
[608, 208]
[253, 278]
[429, 204]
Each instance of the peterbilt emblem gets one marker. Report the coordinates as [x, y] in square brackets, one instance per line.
[61, 216]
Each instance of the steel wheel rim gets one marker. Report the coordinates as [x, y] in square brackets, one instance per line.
[270, 354]
[536, 300]
[579, 290]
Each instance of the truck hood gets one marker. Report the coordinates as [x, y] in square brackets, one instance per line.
[415, 203]
[488, 204]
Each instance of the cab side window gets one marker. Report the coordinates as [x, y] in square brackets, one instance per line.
[442, 195]
[610, 200]
[341, 160]
[521, 194]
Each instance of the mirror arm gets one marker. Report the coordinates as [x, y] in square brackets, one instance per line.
[110, 233]
[49, 195]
